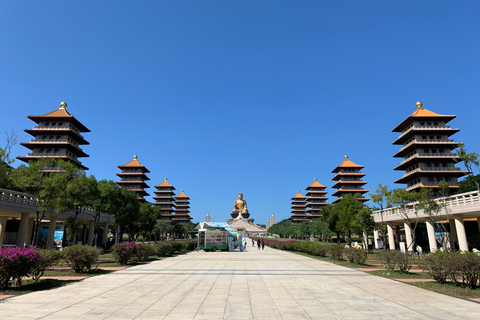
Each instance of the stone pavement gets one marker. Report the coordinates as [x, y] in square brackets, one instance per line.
[254, 284]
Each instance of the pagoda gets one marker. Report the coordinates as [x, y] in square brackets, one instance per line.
[164, 198]
[349, 180]
[299, 208]
[133, 177]
[58, 135]
[181, 213]
[316, 199]
[427, 151]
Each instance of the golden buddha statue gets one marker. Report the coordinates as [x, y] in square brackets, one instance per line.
[240, 207]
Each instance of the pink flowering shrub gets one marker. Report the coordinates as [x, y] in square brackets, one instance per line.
[16, 263]
[124, 251]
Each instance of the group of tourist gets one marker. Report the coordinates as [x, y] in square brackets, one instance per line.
[260, 244]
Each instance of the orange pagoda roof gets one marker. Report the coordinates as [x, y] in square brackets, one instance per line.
[133, 164]
[316, 184]
[60, 115]
[422, 114]
[165, 184]
[347, 164]
[299, 196]
[182, 195]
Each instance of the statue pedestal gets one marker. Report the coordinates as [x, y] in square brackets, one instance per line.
[240, 219]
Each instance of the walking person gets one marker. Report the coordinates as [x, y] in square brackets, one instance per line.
[258, 244]
[253, 243]
[263, 244]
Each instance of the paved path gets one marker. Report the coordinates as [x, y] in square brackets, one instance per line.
[269, 284]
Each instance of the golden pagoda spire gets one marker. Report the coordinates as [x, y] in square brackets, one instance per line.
[63, 105]
[346, 157]
[314, 179]
[419, 105]
[135, 157]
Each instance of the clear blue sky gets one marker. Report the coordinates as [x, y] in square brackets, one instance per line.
[256, 97]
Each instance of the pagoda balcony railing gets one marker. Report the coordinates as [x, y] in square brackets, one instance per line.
[432, 169]
[63, 141]
[426, 141]
[430, 155]
[429, 184]
[140, 181]
[426, 128]
[58, 128]
[346, 188]
[49, 140]
[342, 172]
[349, 180]
[52, 155]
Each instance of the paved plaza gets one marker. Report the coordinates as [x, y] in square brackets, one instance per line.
[254, 284]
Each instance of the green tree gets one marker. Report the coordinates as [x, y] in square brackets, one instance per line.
[80, 193]
[47, 179]
[188, 230]
[347, 209]
[304, 229]
[108, 201]
[408, 204]
[469, 160]
[147, 215]
[127, 214]
[163, 229]
[320, 229]
[331, 217]
[363, 224]
[470, 183]
[6, 162]
[382, 201]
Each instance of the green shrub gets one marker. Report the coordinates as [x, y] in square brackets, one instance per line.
[189, 245]
[438, 265]
[388, 259]
[81, 258]
[16, 263]
[336, 252]
[124, 251]
[144, 251]
[163, 249]
[177, 247]
[403, 261]
[356, 255]
[467, 265]
[46, 259]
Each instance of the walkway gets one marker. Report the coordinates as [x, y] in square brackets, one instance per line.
[255, 284]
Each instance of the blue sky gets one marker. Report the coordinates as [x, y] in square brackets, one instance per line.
[256, 97]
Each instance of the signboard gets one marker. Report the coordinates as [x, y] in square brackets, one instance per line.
[58, 237]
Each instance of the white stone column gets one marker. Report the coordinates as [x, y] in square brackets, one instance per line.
[462, 236]
[391, 237]
[91, 233]
[375, 238]
[22, 230]
[105, 234]
[51, 231]
[3, 225]
[453, 233]
[365, 240]
[432, 241]
[408, 235]
[31, 222]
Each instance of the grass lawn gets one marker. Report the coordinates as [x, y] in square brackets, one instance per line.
[62, 269]
[449, 289]
[28, 286]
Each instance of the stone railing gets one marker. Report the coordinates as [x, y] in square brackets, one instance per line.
[30, 201]
[18, 197]
[457, 204]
